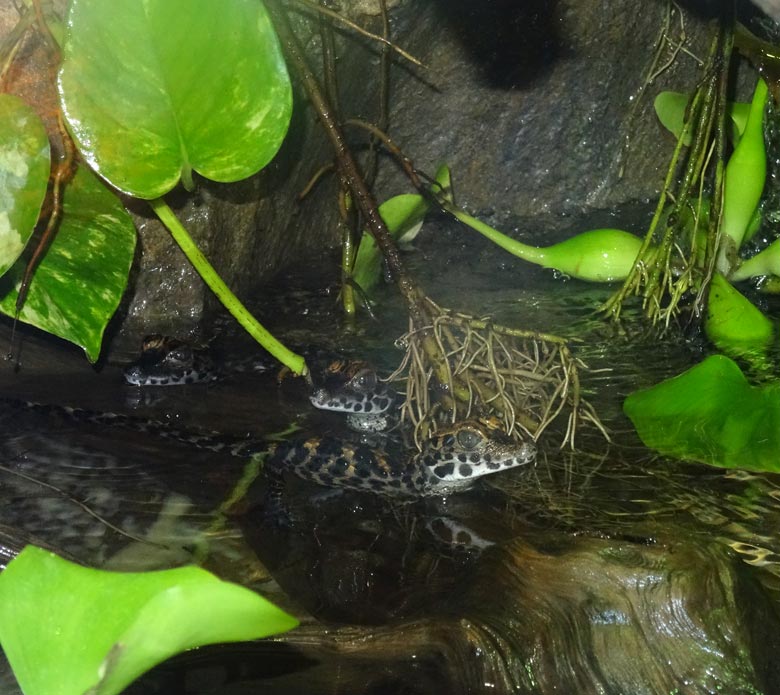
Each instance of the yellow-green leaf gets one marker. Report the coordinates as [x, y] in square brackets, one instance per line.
[24, 174]
[155, 89]
[80, 281]
[70, 630]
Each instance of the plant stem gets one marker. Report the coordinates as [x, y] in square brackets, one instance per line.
[532, 254]
[653, 276]
[346, 164]
[348, 254]
[362, 197]
[249, 323]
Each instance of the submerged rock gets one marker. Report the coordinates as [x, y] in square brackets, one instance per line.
[595, 616]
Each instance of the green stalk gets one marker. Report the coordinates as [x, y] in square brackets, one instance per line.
[249, 323]
[598, 255]
[531, 254]
[744, 182]
[348, 255]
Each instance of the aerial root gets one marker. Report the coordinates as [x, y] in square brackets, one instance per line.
[524, 378]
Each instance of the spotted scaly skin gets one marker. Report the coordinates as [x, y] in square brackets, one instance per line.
[167, 361]
[353, 388]
[455, 457]
[450, 461]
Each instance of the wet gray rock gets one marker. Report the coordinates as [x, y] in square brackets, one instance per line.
[529, 103]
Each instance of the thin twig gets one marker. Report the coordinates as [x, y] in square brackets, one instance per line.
[62, 174]
[43, 27]
[360, 30]
[13, 42]
[314, 180]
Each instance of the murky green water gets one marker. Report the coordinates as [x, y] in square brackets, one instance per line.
[123, 499]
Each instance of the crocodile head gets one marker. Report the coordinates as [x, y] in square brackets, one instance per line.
[353, 388]
[455, 457]
[166, 361]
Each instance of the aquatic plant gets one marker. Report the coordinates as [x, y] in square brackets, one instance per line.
[607, 255]
[72, 630]
[403, 214]
[712, 414]
[192, 113]
[598, 255]
[144, 136]
[445, 387]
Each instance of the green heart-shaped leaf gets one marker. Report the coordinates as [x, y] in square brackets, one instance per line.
[711, 414]
[69, 630]
[24, 175]
[78, 284]
[153, 89]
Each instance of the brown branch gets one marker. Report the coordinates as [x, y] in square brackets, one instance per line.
[383, 118]
[404, 161]
[346, 164]
[62, 174]
[360, 30]
[330, 80]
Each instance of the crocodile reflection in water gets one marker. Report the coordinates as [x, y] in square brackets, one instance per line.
[354, 389]
[167, 361]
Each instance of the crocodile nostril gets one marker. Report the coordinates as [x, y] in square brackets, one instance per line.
[319, 397]
[133, 375]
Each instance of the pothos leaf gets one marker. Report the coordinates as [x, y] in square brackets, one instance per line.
[69, 629]
[24, 175]
[79, 283]
[153, 90]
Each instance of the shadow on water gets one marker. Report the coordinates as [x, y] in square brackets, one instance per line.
[580, 574]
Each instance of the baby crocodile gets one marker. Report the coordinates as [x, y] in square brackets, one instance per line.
[353, 388]
[166, 361]
[450, 460]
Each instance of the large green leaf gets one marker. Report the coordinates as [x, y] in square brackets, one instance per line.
[711, 414]
[153, 89]
[78, 284]
[68, 630]
[24, 174]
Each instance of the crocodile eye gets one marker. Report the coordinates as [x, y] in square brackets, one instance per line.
[364, 381]
[155, 341]
[469, 439]
[179, 355]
